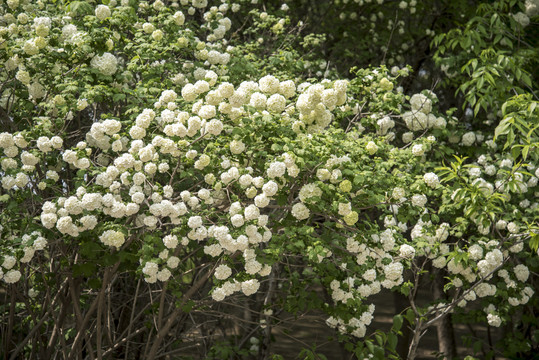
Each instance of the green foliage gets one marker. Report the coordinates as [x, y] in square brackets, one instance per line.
[520, 124]
[216, 172]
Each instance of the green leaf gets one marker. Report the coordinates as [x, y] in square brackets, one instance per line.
[187, 307]
[502, 128]
[410, 316]
[95, 283]
[480, 82]
[515, 151]
[80, 8]
[118, 97]
[110, 259]
[525, 150]
[474, 63]
[379, 353]
[534, 242]
[379, 339]
[90, 249]
[477, 347]
[370, 346]
[392, 341]
[397, 323]
[86, 269]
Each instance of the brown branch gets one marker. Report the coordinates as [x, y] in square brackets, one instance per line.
[21, 345]
[172, 317]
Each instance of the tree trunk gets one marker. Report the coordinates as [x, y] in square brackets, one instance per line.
[444, 327]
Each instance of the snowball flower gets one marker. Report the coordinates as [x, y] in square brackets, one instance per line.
[12, 276]
[237, 220]
[194, 222]
[179, 18]
[9, 262]
[476, 252]
[250, 287]
[419, 200]
[521, 272]
[407, 137]
[276, 103]
[494, 320]
[218, 294]
[421, 103]
[407, 251]
[157, 35]
[102, 12]
[237, 147]
[258, 101]
[207, 112]
[173, 262]
[269, 84]
[270, 188]
[150, 268]
[344, 208]
[431, 179]
[106, 64]
[393, 271]
[398, 193]
[214, 127]
[276, 169]
[415, 121]
[251, 212]
[164, 275]
[417, 150]
[371, 148]
[522, 19]
[308, 191]
[300, 211]
[112, 238]
[513, 228]
[170, 241]
[351, 218]
[468, 139]
[262, 201]
[222, 272]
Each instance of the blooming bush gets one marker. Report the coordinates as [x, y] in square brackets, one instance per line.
[150, 182]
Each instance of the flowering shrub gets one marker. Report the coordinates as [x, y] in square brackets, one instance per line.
[136, 153]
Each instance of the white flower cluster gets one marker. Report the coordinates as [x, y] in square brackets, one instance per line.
[107, 63]
[247, 287]
[492, 260]
[421, 118]
[355, 326]
[152, 272]
[29, 245]
[494, 320]
[112, 238]
[102, 12]
[10, 145]
[384, 125]
[300, 211]
[407, 251]
[132, 172]
[308, 191]
[222, 272]
[393, 275]
[316, 102]
[532, 7]
[431, 179]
